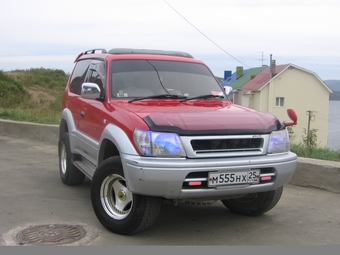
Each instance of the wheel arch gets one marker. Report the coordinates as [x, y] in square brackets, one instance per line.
[113, 142]
[107, 149]
[63, 128]
[66, 124]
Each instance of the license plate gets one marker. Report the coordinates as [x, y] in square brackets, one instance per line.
[233, 178]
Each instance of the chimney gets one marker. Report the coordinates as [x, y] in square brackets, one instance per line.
[272, 67]
[239, 71]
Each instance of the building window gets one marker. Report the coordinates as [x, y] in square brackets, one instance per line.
[280, 101]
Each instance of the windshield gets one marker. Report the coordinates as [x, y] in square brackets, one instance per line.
[149, 78]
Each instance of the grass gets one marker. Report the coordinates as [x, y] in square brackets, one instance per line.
[35, 95]
[31, 115]
[316, 153]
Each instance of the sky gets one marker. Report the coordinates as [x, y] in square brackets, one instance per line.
[222, 33]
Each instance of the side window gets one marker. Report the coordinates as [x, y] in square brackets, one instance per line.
[78, 75]
[94, 77]
[96, 74]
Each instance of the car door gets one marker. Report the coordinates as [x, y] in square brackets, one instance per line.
[76, 103]
[92, 120]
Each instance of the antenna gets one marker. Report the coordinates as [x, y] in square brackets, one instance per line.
[262, 57]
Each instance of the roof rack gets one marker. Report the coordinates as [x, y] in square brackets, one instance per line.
[147, 51]
[94, 51]
[89, 52]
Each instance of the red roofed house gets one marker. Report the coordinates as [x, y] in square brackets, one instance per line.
[276, 88]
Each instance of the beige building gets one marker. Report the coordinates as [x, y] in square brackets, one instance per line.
[276, 88]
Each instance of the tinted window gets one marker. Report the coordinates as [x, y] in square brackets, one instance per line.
[78, 75]
[134, 78]
[94, 77]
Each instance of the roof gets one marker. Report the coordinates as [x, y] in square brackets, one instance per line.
[149, 51]
[262, 77]
[118, 51]
[231, 79]
[247, 74]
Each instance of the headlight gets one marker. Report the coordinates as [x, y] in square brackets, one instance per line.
[279, 142]
[157, 144]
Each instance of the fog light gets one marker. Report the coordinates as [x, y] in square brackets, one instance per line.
[195, 183]
[266, 178]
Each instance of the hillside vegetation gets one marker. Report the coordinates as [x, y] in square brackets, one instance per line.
[33, 95]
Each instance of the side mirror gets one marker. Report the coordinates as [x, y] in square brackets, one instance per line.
[90, 90]
[228, 89]
[292, 115]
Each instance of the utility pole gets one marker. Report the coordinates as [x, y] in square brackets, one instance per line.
[311, 117]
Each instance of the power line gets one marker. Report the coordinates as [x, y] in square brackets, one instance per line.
[204, 34]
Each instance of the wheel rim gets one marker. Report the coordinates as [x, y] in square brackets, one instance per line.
[116, 199]
[63, 158]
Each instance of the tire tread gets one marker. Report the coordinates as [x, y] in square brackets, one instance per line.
[141, 217]
[73, 175]
[263, 203]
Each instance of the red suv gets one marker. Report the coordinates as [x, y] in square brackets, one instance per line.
[149, 125]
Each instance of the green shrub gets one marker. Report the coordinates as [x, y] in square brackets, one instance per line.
[12, 93]
[316, 153]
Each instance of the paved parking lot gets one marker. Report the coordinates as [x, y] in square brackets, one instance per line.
[32, 195]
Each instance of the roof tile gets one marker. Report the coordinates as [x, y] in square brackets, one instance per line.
[260, 79]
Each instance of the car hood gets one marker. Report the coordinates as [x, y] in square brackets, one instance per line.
[207, 119]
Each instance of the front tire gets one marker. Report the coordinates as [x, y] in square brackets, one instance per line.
[69, 173]
[117, 208]
[254, 204]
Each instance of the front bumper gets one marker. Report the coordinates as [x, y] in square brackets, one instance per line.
[167, 177]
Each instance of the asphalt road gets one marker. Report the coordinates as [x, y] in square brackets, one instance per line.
[32, 194]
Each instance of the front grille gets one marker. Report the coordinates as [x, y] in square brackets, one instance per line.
[202, 177]
[225, 146]
[228, 145]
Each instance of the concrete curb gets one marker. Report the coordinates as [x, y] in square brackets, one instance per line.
[48, 133]
[309, 173]
[321, 174]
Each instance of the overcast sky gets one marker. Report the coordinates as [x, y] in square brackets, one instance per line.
[222, 33]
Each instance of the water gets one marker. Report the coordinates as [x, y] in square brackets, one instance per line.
[333, 138]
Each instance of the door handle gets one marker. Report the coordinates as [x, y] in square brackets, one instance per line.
[82, 114]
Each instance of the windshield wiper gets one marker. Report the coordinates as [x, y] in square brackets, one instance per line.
[163, 96]
[202, 97]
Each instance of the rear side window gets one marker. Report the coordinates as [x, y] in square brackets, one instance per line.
[78, 75]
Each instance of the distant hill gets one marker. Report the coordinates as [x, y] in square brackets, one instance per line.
[333, 85]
